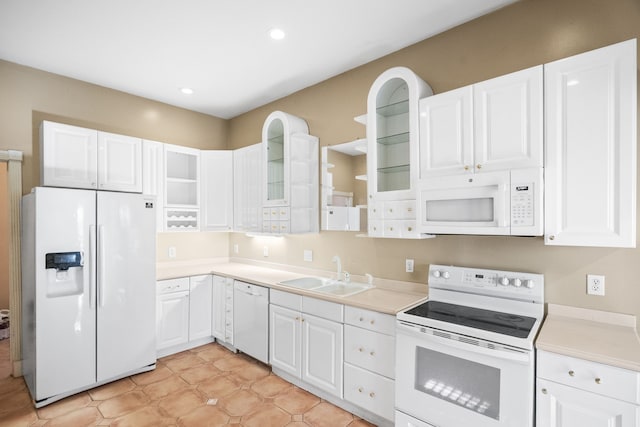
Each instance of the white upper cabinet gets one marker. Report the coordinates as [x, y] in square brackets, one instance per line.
[119, 163]
[247, 184]
[590, 171]
[77, 157]
[290, 197]
[153, 177]
[182, 188]
[493, 125]
[216, 210]
[393, 134]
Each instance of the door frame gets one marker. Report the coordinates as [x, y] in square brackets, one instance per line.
[13, 158]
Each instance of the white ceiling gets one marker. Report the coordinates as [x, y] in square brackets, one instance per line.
[220, 48]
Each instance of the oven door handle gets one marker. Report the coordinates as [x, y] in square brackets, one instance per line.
[498, 351]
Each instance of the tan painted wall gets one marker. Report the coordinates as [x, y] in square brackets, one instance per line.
[4, 237]
[524, 34]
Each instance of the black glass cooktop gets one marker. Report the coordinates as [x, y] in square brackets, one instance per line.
[487, 320]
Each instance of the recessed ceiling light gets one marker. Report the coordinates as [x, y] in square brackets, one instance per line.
[186, 90]
[276, 34]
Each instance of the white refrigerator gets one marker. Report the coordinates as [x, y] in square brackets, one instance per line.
[88, 289]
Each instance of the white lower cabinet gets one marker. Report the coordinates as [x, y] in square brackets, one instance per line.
[172, 313]
[222, 319]
[573, 392]
[304, 345]
[200, 307]
[372, 392]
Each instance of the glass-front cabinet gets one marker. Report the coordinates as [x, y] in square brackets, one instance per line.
[290, 203]
[392, 153]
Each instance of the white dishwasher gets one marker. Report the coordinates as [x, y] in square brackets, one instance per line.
[251, 320]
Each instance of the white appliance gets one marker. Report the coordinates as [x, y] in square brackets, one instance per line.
[88, 289]
[495, 203]
[466, 357]
[251, 320]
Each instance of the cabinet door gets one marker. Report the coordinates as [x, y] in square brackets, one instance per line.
[218, 307]
[446, 133]
[284, 339]
[590, 172]
[69, 156]
[182, 176]
[200, 307]
[217, 190]
[508, 126]
[322, 354]
[558, 405]
[153, 177]
[247, 184]
[276, 154]
[119, 163]
[172, 315]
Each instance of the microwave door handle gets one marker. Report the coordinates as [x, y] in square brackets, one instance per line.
[497, 353]
[505, 219]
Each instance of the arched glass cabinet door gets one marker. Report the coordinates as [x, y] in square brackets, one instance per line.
[275, 160]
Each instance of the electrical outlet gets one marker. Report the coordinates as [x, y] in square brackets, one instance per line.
[172, 251]
[265, 251]
[236, 248]
[308, 255]
[595, 284]
[408, 265]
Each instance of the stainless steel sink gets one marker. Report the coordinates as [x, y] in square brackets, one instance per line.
[327, 286]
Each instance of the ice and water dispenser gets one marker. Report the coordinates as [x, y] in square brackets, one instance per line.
[63, 275]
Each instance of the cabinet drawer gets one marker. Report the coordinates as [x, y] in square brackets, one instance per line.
[376, 210]
[283, 227]
[372, 320]
[285, 299]
[370, 391]
[376, 227]
[283, 213]
[393, 228]
[403, 209]
[325, 309]
[370, 350]
[596, 377]
[172, 285]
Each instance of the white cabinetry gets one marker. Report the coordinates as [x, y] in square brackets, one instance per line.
[578, 393]
[183, 314]
[77, 157]
[392, 148]
[591, 137]
[172, 313]
[493, 125]
[290, 175]
[153, 177]
[182, 188]
[306, 339]
[216, 208]
[247, 184]
[222, 325]
[369, 353]
[200, 307]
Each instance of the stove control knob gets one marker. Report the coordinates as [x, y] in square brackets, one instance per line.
[529, 283]
[517, 283]
[436, 274]
[504, 281]
[446, 274]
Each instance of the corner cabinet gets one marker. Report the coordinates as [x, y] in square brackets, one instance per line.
[290, 198]
[393, 152]
[591, 137]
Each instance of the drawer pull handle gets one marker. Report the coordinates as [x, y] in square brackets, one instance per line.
[297, 318]
[361, 349]
[373, 321]
[359, 389]
[302, 319]
[544, 391]
[598, 381]
[571, 373]
[372, 394]
[361, 319]
[372, 353]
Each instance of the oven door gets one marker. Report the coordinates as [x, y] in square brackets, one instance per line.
[465, 204]
[450, 380]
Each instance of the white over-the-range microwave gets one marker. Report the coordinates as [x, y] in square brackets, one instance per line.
[507, 202]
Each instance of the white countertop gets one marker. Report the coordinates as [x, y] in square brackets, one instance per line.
[598, 336]
[387, 296]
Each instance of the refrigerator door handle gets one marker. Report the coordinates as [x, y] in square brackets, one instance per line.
[92, 266]
[101, 272]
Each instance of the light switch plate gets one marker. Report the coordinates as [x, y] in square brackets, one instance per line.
[408, 265]
[265, 251]
[172, 252]
[308, 255]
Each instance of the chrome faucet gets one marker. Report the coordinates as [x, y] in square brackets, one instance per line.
[336, 259]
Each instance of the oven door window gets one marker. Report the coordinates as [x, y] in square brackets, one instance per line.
[468, 384]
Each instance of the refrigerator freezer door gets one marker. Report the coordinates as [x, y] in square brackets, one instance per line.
[126, 283]
[65, 340]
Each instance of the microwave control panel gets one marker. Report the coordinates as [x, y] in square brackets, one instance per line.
[522, 204]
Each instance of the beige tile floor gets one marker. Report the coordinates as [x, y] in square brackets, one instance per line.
[206, 386]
